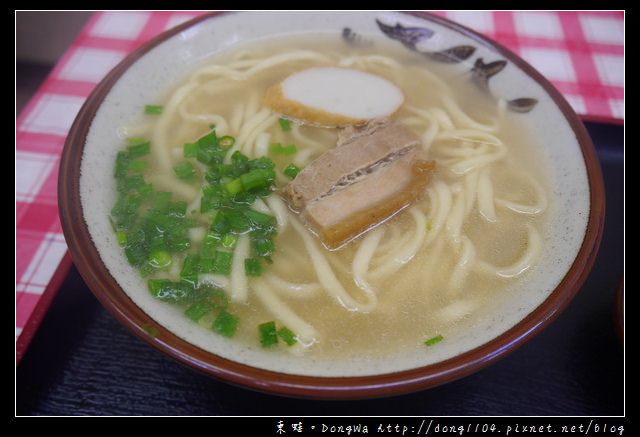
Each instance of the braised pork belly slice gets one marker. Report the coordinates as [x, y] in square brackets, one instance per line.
[348, 212]
[355, 155]
[360, 183]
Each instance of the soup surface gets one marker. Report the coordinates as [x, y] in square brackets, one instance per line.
[412, 281]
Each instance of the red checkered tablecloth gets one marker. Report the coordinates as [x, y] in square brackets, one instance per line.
[580, 52]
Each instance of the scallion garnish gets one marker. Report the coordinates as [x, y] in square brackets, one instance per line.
[153, 109]
[277, 148]
[252, 267]
[185, 171]
[433, 340]
[197, 310]
[285, 124]
[155, 230]
[291, 171]
[268, 334]
[225, 324]
[287, 336]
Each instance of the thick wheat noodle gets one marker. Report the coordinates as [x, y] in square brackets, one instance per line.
[462, 119]
[467, 148]
[463, 267]
[520, 208]
[391, 236]
[262, 142]
[406, 250]
[370, 61]
[175, 185]
[313, 145]
[294, 290]
[387, 260]
[243, 69]
[522, 264]
[241, 112]
[476, 162]
[377, 64]
[409, 243]
[362, 259]
[440, 201]
[255, 125]
[470, 184]
[486, 200]
[238, 282]
[304, 331]
[456, 217]
[326, 276]
[436, 121]
[472, 137]
[236, 117]
[217, 280]
[279, 210]
[222, 127]
[160, 133]
[479, 149]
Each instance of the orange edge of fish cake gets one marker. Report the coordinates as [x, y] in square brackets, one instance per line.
[276, 100]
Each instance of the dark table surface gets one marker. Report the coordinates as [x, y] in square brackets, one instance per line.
[82, 361]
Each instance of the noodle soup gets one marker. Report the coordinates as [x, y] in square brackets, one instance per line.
[427, 272]
[433, 271]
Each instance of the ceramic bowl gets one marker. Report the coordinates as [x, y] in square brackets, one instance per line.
[85, 196]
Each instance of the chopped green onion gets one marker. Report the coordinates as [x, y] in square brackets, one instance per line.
[121, 237]
[226, 142]
[287, 335]
[174, 292]
[285, 124]
[234, 187]
[185, 171]
[252, 267]
[268, 334]
[198, 310]
[136, 249]
[206, 263]
[210, 242]
[263, 247]
[222, 263]
[277, 148]
[290, 149]
[229, 240]
[160, 260]
[221, 223]
[178, 244]
[260, 220]
[218, 299]
[137, 165]
[433, 340]
[132, 141]
[152, 227]
[190, 268]
[225, 324]
[153, 109]
[291, 171]
[258, 178]
[190, 150]
[139, 149]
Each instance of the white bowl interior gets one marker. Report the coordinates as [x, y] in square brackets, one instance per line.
[172, 58]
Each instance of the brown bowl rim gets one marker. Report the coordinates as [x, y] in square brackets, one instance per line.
[115, 300]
